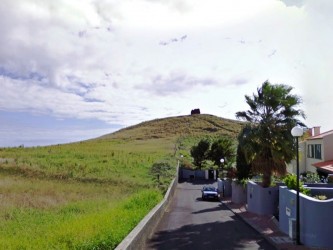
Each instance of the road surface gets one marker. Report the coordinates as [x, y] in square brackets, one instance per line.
[191, 223]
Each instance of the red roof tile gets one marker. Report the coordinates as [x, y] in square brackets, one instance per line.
[324, 165]
[322, 135]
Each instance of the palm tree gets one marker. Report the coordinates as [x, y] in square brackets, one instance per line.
[268, 143]
[242, 165]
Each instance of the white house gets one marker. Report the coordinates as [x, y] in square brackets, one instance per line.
[315, 153]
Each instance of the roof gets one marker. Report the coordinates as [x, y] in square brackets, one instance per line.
[320, 136]
[326, 166]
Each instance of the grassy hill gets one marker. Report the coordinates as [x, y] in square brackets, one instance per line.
[180, 126]
[90, 194]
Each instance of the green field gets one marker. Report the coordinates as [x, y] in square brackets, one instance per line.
[91, 194]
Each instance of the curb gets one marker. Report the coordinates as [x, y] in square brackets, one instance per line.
[255, 227]
[278, 235]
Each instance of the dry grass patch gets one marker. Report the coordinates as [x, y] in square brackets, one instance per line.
[22, 192]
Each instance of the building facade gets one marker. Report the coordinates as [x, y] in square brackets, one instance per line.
[315, 153]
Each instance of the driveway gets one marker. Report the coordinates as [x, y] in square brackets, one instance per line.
[191, 223]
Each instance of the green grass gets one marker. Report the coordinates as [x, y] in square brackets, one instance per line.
[91, 194]
[78, 225]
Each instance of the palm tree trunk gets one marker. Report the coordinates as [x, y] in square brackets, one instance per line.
[267, 178]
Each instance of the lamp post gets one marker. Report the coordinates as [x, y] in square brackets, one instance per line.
[181, 157]
[222, 161]
[297, 132]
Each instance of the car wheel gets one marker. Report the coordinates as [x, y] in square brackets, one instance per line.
[202, 197]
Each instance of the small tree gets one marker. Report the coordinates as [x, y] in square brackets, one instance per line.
[200, 152]
[160, 170]
[223, 148]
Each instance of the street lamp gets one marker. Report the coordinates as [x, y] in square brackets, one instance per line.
[222, 162]
[297, 132]
[181, 157]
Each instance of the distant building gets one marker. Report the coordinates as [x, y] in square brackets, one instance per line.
[315, 153]
[195, 112]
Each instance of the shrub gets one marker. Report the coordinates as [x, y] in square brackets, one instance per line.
[320, 197]
[200, 152]
[231, 173]
[291, 182]
[162, 173]
[310, 177]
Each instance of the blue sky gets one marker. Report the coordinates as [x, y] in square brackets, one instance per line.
[72, 70]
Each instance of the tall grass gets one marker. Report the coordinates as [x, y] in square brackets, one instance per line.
[86, 195]
[78, 225]
[104, 160]
[89, 195]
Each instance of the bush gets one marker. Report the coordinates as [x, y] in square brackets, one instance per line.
[320, 197]
[200, 152]
[162, 173]
[310, 177]
[291, 182]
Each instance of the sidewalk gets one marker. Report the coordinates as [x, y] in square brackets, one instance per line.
[265, 225]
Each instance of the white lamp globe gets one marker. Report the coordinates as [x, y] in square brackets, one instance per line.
[297, 131]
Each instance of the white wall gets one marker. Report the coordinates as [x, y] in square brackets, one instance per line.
[328, 148]
[291, 167]
[315, 218]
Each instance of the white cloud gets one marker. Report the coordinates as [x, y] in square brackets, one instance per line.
[128, 61]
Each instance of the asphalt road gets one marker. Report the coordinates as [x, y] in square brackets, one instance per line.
[191, 223]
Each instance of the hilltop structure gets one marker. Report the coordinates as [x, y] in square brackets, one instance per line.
[195, 112]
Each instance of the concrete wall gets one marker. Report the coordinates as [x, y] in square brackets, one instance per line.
[139, 235]
[316, 221]
[187, 173]
[239, 193]
[321, 189]
[262, 201]
[201, 174]
[196, 174]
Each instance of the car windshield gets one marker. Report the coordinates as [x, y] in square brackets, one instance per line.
[209, 189]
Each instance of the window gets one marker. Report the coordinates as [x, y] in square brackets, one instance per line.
[314, 151]
[317, 151]
[310, 151]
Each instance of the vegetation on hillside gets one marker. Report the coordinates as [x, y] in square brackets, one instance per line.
[218, 153]
[79, 195]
